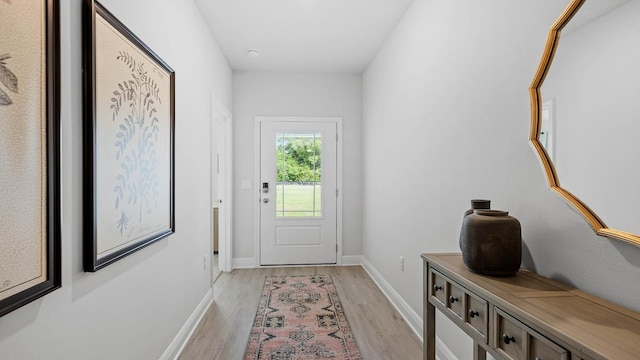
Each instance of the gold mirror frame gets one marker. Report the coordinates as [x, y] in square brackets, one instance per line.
[589, 215]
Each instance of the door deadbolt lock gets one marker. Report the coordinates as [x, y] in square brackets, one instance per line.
[265, 200]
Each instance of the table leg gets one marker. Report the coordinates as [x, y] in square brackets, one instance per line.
[429, 332]
[479, 353]
[429, 335]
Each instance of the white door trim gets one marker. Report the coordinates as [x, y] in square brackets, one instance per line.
[226, 246]
[256, 181]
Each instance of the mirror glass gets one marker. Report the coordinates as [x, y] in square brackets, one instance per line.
[590, 110]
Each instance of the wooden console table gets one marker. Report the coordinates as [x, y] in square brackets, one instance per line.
[526, 316]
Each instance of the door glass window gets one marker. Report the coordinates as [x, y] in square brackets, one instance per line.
[298, 175]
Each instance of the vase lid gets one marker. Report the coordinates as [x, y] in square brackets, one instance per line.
[480, 204]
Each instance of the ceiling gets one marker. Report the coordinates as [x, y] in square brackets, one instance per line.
[339, 36]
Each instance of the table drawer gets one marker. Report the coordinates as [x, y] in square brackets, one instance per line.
[543, 349]
[456, 300]
[437, 287]
[476, 314]
[509, 336]
[514, 340]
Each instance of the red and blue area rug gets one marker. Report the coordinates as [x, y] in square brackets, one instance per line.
[300, 317]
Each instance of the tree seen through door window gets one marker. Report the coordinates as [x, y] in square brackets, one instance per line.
[299, 175]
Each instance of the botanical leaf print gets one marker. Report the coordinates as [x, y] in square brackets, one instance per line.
[8, 79]
[4, 98]
[135, 114]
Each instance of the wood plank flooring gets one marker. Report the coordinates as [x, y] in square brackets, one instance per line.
[379, 329]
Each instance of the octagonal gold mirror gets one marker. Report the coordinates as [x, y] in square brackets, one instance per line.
[585, 113]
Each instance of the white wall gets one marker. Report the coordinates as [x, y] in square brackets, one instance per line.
[446, 119]
[295, 94]
[134, 308]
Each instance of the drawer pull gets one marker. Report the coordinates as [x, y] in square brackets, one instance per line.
[436, 288]
[473, 314]
[508, 339]
[452, 299]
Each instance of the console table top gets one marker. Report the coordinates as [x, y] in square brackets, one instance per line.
[592, 325]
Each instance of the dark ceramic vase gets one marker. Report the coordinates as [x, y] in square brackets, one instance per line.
[475, 205]
[491, 243]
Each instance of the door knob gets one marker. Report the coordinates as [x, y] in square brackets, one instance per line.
[265, 200]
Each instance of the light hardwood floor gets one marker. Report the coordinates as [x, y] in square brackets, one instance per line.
[379, 329]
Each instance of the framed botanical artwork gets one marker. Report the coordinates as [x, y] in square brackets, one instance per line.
[29, 152]
[128, 141]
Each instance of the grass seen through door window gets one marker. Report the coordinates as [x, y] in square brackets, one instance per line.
[299, 200]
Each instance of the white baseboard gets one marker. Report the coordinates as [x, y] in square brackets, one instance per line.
[410, 316]
[350, 260]
[250, 263]
[181, 339]
[443, 352]
[243, 263]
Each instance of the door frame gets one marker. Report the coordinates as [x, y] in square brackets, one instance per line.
[225, 246]
[258, 120]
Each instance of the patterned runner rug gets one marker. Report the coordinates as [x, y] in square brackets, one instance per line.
[300, 317]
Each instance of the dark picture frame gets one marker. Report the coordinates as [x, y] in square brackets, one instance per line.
[30, 146]
[129, 132]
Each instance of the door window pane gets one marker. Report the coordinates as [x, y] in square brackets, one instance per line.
[298, 175]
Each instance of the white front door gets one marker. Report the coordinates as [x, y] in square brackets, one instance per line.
[298, 187]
